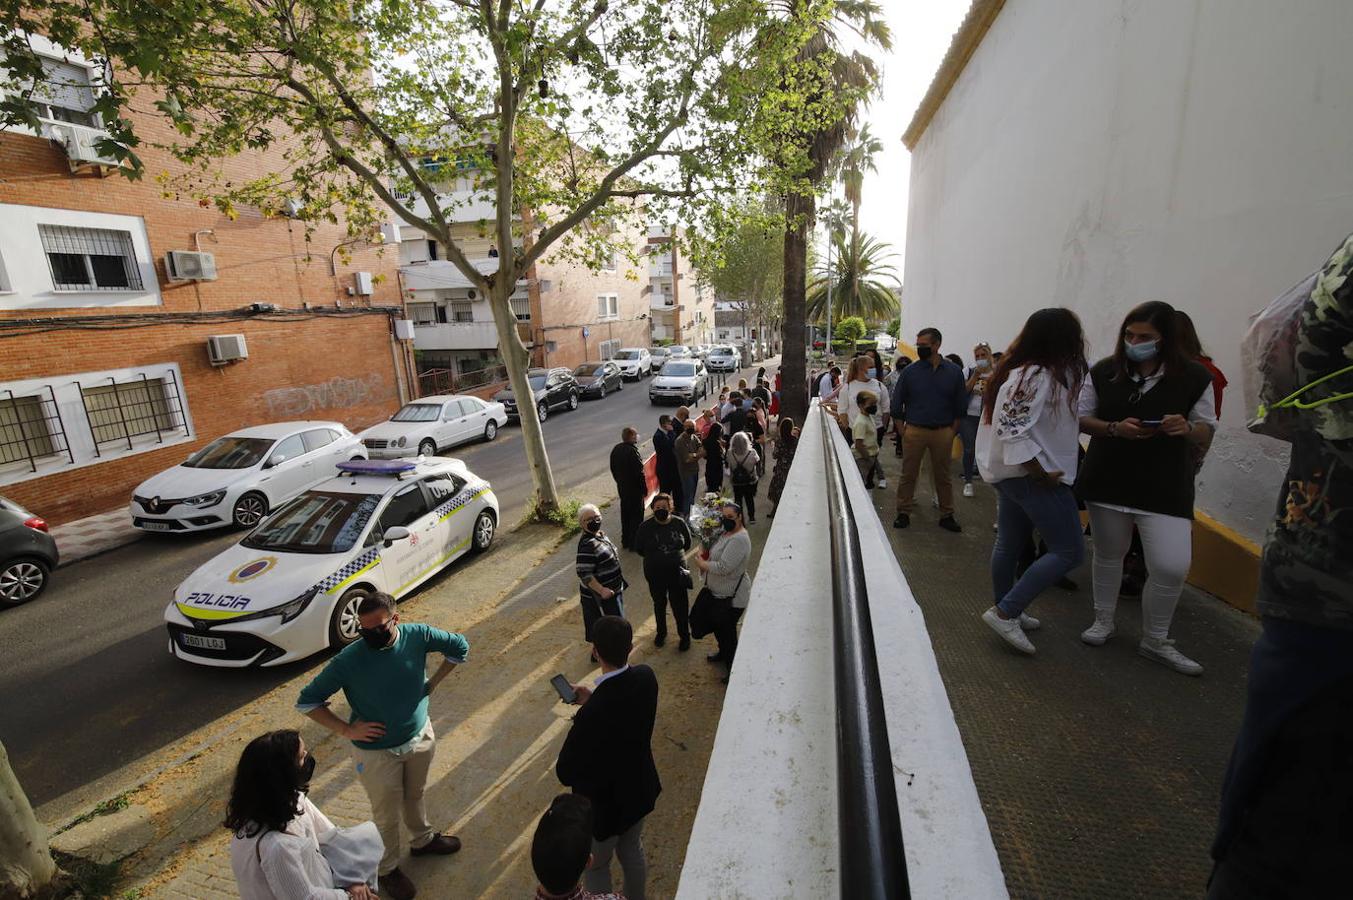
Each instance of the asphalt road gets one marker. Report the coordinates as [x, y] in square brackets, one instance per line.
[88, 685]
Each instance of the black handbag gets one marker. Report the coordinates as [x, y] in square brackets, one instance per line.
[703, 613]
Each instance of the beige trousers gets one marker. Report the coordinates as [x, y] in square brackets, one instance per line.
[938, 443]
[395, 786]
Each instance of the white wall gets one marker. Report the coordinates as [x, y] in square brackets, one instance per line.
[767, 823]
[1099, 154]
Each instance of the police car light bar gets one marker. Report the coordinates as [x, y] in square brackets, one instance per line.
[395, 467]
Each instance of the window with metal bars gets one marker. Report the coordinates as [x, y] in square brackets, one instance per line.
[123, 410]
[30, 429]
[521, 308]
[90, 259]
[462, 311]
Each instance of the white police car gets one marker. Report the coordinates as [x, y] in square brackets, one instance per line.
[292, 586]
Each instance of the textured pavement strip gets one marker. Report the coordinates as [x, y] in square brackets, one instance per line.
[1099, 770]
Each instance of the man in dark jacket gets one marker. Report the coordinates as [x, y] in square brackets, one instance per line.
[608, 757]
[627, 468]
[663, 541]
[664, 448]
[736, 420]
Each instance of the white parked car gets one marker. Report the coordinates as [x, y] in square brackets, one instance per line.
[679, 351]
[723, 358]
[680, 381]
[291, 588]
[424, 426]
[634, 362]
[659, 356]
[236, 479]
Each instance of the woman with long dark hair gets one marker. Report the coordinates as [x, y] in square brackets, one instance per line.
[274, 851]
[714, 457]
[1026, 448]
[786, 442]
[1146, 408]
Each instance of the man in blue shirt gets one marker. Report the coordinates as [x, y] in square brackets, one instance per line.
[931, 397]
[384, 678]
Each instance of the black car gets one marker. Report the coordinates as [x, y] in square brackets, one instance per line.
[552, 388]
[27, 554]
[595, 379]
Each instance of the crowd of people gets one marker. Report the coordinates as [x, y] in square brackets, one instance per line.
[1110, 449]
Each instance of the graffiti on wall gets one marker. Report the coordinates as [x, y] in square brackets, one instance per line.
[336, 393]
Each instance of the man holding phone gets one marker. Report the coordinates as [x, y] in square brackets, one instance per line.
[384, 678]
[608, 757]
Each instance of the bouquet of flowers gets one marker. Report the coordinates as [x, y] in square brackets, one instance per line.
[704, 520]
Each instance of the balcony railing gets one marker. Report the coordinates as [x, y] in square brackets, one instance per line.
[455, 336]
[448, 381]
[661, 301]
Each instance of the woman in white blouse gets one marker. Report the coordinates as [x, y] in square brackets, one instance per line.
[277, 830]
[1026, 446]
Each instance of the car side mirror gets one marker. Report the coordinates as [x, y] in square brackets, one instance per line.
[395, 533]
[274, 461]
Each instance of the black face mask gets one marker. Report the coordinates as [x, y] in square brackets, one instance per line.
[594, 526]
[307, 770]
[872, 409]
[378, 638]
[729, 524]
[925, 352]
[661, 514]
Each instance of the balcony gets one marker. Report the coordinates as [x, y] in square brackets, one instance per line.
[661, 301]
[455, 336]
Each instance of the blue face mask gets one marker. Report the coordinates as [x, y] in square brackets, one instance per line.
[873, 373]
[1142, 352]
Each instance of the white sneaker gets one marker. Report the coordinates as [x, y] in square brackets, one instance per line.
[1099, 632]
[1162, 651]
[967, 489]
[881, 484]
[1009, 631]
[1029, 623]
[935, 502]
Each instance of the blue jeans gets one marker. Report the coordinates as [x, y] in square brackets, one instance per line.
[967, 433]
[1023, 506]
[689, 483]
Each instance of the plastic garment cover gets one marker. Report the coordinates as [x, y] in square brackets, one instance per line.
[1268, 357]
[354, 854]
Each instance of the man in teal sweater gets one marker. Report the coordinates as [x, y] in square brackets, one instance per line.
[384, 678]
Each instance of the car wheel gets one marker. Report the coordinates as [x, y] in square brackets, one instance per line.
[427, 448]
[573, 400]
[343, 622]
[542, 411]
[250, 509]
[484, 529]
[601, 394]
[620, 385]
[490, 430]
[22, 580]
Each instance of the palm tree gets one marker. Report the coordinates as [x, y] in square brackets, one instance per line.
[863, 282]
[851, 77]
[858, 156]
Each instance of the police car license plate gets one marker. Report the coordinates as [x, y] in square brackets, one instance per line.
[203, 643]
[155, 526]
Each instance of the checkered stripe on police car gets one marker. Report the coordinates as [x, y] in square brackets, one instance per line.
[349, 569]
[468, 493]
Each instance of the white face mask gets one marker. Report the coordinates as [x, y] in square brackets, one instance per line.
[984, 364]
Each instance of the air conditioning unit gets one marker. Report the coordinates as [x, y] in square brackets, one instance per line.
[362, 282]
[81, 144]
[225, 348]
[190, 265]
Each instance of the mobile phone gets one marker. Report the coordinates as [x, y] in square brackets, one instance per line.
[564, 689]
[1152, 423]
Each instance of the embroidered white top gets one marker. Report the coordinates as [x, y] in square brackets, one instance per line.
[286, 865]
[1034, 418]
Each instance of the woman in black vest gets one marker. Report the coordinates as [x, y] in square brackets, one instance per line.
[1145, 408]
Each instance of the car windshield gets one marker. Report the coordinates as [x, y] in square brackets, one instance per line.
[537, 382]
[678, 369]
[658, 351]
[230, 453]
[316, 522]
[721, 351]
[678, 350]
[418, 412]
[585, 370]
[626, 354]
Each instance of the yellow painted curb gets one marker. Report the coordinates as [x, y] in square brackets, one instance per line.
[1225, 564]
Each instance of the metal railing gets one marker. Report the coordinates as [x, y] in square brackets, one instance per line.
[448, 381]
[873, 863]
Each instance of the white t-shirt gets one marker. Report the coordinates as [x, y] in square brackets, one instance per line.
[1204, 411]
[824, 384]
[1033, 418]
[978, 389]
[845, 399]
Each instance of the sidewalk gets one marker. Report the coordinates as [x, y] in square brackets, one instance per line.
[93, 535]
[1099, 771]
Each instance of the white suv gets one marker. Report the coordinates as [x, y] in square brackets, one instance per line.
[633, 362]
[723, 359]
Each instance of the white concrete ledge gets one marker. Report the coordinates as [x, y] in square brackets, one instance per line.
[767, 822]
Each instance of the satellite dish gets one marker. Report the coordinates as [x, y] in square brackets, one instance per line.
[292, 208]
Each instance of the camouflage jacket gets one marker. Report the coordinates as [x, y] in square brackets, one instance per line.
[1307, 573]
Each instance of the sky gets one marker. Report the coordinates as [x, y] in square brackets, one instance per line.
[922, 30]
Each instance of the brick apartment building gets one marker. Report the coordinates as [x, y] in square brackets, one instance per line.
[105, 374]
